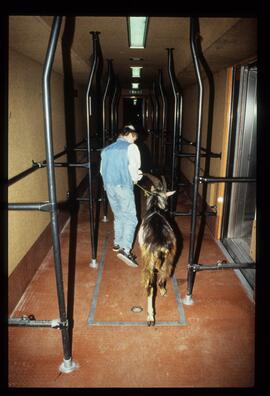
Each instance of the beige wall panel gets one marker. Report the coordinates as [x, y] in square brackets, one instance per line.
[26, 143]
[190, 124]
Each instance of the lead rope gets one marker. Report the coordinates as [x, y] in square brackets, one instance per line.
[146, 192]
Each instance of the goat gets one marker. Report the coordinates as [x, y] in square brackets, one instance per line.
[157, 243]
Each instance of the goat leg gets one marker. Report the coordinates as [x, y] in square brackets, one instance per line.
[150, 307]
[162, 288]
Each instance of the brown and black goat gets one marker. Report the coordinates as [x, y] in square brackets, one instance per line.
[157, 243]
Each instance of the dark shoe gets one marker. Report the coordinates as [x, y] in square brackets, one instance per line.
[116, 248]
[128, 258]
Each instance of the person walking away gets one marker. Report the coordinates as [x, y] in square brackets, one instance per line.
[120, 170]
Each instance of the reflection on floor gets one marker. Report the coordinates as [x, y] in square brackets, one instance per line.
[208, 344]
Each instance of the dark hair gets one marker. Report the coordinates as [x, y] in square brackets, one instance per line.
[127, 129]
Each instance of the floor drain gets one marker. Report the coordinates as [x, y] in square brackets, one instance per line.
[136, 309]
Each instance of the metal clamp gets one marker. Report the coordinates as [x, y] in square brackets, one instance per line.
[38, 164]
[57, 324]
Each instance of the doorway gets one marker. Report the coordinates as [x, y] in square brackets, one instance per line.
[133, 111]
[239, 216]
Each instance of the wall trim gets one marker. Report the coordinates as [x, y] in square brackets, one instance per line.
[29, 264]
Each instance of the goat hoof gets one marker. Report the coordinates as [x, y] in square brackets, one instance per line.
[150, 323]
[163, 292]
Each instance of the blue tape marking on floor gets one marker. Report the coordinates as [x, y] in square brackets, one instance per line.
[179, 303]
[99, 277]
[181, 322]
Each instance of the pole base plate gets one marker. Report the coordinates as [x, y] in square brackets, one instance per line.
[93, 263]
[67, 366]
[188, 300]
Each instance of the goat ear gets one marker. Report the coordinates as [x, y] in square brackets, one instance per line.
[169, 193]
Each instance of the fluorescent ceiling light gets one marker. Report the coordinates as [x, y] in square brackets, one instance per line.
[135, 58]
[135, 85]
[136, 71]
[137, 31]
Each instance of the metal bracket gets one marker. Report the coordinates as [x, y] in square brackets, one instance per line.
[41, 164]
[57, 324]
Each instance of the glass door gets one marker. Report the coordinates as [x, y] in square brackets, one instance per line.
[239, 219]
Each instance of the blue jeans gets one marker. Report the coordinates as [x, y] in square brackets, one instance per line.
[122, 202]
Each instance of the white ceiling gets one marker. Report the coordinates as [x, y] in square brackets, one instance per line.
[225, 41]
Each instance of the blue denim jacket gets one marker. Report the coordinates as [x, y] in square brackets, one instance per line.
[114, 166]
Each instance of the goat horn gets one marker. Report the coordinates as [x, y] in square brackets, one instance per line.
[155, 180]
[164, 183]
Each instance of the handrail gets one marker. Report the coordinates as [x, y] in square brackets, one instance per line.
[189, 143]
[35, 166]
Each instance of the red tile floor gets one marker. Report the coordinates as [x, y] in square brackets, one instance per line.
[208, 344]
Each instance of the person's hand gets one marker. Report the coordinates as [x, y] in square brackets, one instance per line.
[140, 174]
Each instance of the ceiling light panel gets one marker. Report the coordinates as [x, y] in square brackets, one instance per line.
[136, 71]
[137, 31]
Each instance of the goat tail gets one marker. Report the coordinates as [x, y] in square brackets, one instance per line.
[153, 262]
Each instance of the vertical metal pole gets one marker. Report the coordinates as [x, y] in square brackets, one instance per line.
[150, 121]
[175, 118]
[68, 365]
[93, 263]
[116, 103]
[113, 112]
[153, 126]
[191, 273]
[180, 121]
[105, 95]
[157, 129]
[143, 113]
[163, 119]
[104, 114]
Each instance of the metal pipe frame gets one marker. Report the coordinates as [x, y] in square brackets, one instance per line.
[193, 267]
[104, 98]
[156, 133]
[114, 105]
[68, 164]
[221, 265]
[226, 180]
[163, 126]
[67, 365]
[164, 101]
[189, 143]
[34, 167]
[176, 118]
[27, 322]
[154, 122]
[105, 134]
[150, 120]
[42, 206]
[37, 165]
[189, 212]
[194, 51]
[204, 155]
[93, 263]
